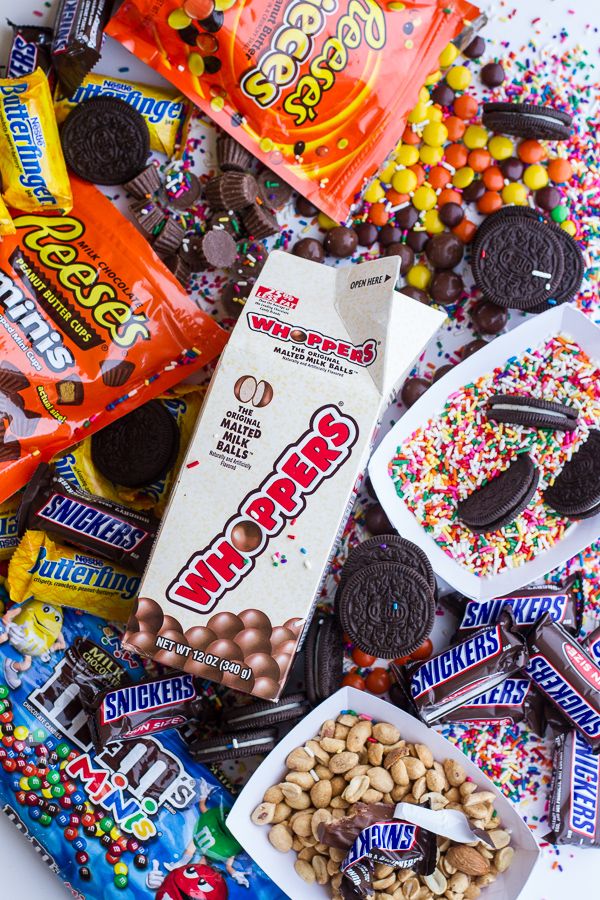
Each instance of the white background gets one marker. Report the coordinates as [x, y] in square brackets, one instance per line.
[22, 875]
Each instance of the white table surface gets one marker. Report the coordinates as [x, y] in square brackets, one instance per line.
[23, 876]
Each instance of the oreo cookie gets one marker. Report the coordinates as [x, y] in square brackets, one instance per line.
[576, 490]
[387, 548]
[498, 502]
[105, 141]
[138, 448]
[265, 714]
[517, 259]
[516, 409]
[236, 745]
[574, 269]
[323, 658]
[528, 121]
[387, 609]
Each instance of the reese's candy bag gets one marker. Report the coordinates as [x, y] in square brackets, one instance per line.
[317, 87]
[34, 174]
[92, 325]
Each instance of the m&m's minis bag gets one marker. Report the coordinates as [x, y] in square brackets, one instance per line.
[92, 324]
[137, 820]
[320, 88]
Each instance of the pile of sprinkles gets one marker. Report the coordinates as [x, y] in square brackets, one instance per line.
[456, 452]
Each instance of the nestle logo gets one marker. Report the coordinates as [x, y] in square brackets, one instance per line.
[278, 297]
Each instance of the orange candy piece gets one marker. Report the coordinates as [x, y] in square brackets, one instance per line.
[456, 127]
[419, 172]
[449, 196]
[465, 230]
[493, 179]
[479, 159]
[560, 170]
[198, 9]
[456, 155]
[378, 214]
[438, 177]
[489, 202]
[465, 106]
[531, 151]
[395, 198]
[409, 136]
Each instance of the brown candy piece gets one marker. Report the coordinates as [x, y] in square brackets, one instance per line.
[377, 522]
[294, 625]
[200, 636]
[413, 389]
[148, 615]
[309, 248]
[253, 640]
[341, 241]
[488, 317]
[246, 536]
[281, 634]
[171, 657]
[225, 624]
[265, 687]
[263, 664]
[256, 618]
[225, 649]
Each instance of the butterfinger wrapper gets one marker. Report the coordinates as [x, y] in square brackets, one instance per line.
[6, 223]
[62, 576]
[32, 165]
[163, 110]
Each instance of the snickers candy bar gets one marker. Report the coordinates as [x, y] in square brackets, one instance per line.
[132, 711]
[78, 33]
[592, 644]
[115, 532]
[568, 677]
[465, 670]
[528, 606]
[574, 810]
[513, 700]
[30, 49]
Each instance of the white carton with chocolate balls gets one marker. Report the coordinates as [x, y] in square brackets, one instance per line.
[284, 433]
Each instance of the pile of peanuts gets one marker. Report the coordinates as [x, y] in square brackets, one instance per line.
[354, 759]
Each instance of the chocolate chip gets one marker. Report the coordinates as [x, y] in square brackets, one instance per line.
[492, 74]
[488, 317]
[309, 248]
[446, 287]
[413, 389]
[246, 536]
[451, 214]
[341, 241]
[475, 49]
[444, 251]
[406, 254]
[366, 233]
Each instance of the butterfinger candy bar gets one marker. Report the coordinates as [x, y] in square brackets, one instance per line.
[101, 526]
[528, 606]
[34, 174]
[574, 809]
[320, 89]
[30, 48]
[129, 712]
[592, 644]
[78, 34]
[394, 843]
[7, 225]
[477, 664]
[568, 676]
[59, 575]
[513, 700]
[163, 110]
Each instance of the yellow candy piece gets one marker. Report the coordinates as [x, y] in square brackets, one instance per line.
[325, 222]
[432, 222]
[448, 55]
[23, 782]
[515, 193]
[434, 77]
[196, 64]
[424, 197]
[217, 104]
[115, 833]
[435, 114]
[500, 147]
[21, 732]
[459, 78]
[266, 145]
[435, 134]
[404, 181]
[419, 277]
[535, 177]
[121, 868]
[47, 793]
[569, 226]
[431, 156]
[462, 178]
[178, 19]
[387, 173]
[424, 95]
[223, 5]
[475, 136]
[418, 114]
[342, 143]
[407, 155]
[374, 192]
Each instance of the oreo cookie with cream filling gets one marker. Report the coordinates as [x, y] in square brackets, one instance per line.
[528, 121]
[323, 657]
[533, 412]
[236, 745]
[265, 714]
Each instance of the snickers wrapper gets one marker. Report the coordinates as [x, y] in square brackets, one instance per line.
[132, 711]
[512, 700]
[592, 644]
[54, 505]
[567, 675]
[574, 813]
[528, 606]
[464, 671]
[29, 49]
[401, 845]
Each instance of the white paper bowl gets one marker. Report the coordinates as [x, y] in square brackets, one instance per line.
[563, 319]
[280, 866]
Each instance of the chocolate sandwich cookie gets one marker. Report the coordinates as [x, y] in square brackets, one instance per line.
[323, 657]
[517, 409]
[576, 490]
[387, 609]
[574, 808]
[527, 120]
[500, 500]
[138, 448]
[265, 714]
[388, 548]
[517, 259]
[236, 745]
[105, 141]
